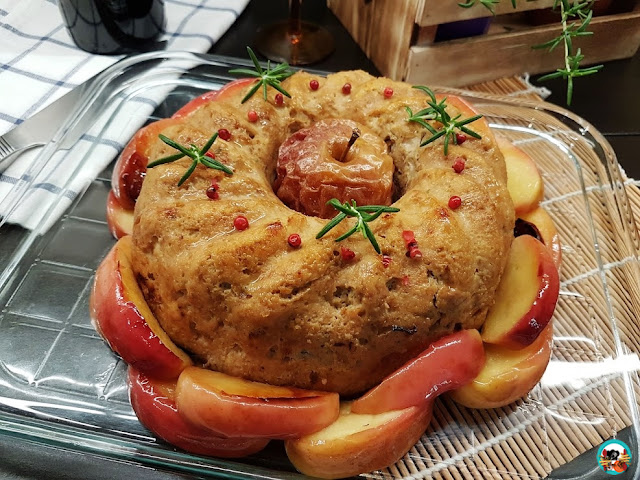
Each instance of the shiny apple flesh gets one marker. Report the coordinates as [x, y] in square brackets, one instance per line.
[447, 363]
[524, 181]
[357, 443]
[526, 296]
[235, 407]
[154, 404]
[119, 219]
[546, 231]
[507, 374]
[333, 158]
[123, 318]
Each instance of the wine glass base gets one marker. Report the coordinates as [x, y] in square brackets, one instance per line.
[312, 45]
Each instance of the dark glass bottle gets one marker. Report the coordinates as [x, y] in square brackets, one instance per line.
[114, 26]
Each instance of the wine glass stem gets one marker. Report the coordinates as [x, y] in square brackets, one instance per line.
[295, 20]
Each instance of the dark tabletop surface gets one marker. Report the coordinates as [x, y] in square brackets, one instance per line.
[609, 100]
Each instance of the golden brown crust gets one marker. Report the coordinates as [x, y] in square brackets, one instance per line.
[248, 304]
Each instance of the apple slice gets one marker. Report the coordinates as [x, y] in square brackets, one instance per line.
[526, 296]
[523, 178]
[123, 318]
[357, 443]
[235, 407]
[119, 219]
[154, 403]
[448, 363]
[546, 231]
[507, 374]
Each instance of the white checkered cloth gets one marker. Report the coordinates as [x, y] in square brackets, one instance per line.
[39, 63]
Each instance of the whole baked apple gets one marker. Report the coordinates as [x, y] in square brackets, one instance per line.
[333, 159]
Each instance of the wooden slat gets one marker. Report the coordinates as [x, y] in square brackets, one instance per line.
[494, 56]
[382, 28]
[443, 11]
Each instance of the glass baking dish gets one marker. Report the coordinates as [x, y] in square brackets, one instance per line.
[61, 385]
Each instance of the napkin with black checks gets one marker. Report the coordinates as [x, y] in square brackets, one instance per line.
[39, 63]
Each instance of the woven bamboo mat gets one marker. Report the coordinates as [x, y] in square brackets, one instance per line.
[584, 398]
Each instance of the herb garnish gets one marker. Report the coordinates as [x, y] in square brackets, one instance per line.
[193, 152]
[364, 214]
[581, 11]
[437, 112]
[269, 77]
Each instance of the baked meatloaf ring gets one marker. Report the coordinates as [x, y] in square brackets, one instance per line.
[317, 313]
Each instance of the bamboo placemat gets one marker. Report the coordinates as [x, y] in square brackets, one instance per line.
[585, 399]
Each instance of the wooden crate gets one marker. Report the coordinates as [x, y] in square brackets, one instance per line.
[399, 37]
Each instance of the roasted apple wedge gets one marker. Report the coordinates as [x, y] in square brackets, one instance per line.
[119, 219]
[123, 318]
[357, 443]
[154, 403]
[507, 374]
[526, 296]
[448, 363]
[523, 177]
[235, 407]
[546, 231]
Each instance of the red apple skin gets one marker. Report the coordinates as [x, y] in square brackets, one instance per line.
[448, 363]
[124, 320]
[225, 92]
[233, 407]
[131, 167]
[154, 404]
[347, 450]
[119, 219]
[515, 330]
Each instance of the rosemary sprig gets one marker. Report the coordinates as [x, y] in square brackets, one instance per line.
[269, 77]
[192, 151]
[582, 13]
[437, 112]
[579, 10]
[364, 214]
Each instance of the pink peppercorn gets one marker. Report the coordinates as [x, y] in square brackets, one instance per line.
[458, 165]
[314, 84]
[460, 138]
[455, 202]
[294, 240]
[224, 134]
[210, 155]
[388, 92]
[346, 88]
[279, 99]
[252, 116]
[241, 222]
[347, 254]
[212, 191]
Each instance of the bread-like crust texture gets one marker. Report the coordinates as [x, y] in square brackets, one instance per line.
[248, 304]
